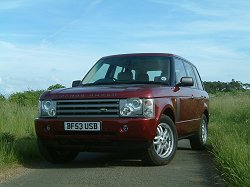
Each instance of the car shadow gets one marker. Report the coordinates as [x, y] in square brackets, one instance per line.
[93, 160]
[184, 145]
[99, 160]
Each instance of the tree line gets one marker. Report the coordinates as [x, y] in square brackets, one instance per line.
[31, 97]
[217, 86]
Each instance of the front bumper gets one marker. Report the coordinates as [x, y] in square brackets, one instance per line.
[140, 132]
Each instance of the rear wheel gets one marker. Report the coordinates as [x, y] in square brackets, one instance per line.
[163, 147]
[55, 156]
[199, 140]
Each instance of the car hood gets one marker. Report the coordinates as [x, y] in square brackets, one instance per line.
[108, 91]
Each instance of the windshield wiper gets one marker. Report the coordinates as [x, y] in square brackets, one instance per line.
[125, 82]
[145, 82]
[101, 83]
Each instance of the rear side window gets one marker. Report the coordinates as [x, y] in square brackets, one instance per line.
[198, 78]
[179, 70]
[190, 73]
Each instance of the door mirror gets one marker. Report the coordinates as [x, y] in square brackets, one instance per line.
[186, 81]
[76, 83]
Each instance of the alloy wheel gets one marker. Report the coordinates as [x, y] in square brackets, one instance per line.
[164, 140]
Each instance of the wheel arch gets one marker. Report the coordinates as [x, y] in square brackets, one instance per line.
[206, 114]
[170, 113]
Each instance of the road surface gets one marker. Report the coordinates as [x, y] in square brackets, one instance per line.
[188, 168]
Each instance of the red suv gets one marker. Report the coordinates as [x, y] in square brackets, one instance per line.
[143, 102]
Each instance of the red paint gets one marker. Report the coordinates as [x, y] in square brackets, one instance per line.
[140, 129]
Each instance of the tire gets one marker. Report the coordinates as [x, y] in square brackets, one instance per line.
[163, 147]
[55, 156]
[199, 140]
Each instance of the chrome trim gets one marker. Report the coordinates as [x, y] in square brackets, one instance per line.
[188, 120]
[87, 108]
[90, 105]
[87, 100]
[89, 116]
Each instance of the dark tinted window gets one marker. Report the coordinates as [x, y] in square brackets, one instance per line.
[130, 69]
[179, 70]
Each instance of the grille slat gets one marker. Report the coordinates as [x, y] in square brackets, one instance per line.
[86, 105]
[90, 101]
[87, 111]
[88, 108]
[87, 116]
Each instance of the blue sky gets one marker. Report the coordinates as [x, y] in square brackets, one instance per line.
[45, 42]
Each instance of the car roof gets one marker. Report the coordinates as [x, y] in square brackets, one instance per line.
[146, 54]
[139, 54]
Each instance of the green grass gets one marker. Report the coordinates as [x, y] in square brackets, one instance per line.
[230, 136]
[17, 135]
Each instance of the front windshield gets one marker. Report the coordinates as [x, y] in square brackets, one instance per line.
[130, 70]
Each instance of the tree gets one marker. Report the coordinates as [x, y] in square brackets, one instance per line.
[218, 86]
[26, 98]
[55, 86]
[246, 86]
[2, 98]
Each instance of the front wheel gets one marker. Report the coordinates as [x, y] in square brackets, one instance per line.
[199, 140]
[163, 147]
[55, 156]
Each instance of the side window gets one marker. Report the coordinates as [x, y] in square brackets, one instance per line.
[198, 78]
[118, 69]
[190, 73]
[101, 73]
[179, 70]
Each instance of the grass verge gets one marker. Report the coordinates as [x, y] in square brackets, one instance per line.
[17, 135]
[230, 136]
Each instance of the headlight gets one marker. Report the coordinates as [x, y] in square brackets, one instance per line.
[47, 108]
[148, 108]
[136, 107]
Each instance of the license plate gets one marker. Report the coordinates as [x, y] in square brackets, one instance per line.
[82, 126]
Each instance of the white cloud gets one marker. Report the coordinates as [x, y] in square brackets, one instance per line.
[13, 4]
[214, 61]
[5, 4]
[214, 36]
[93, 4]
[6, 45]
[210, 8]
[188, 6]
[23, 67]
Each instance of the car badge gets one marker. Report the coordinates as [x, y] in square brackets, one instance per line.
[103, 109]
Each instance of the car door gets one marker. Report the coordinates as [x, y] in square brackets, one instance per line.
[196, 103]
[203, 101]
[185, 110]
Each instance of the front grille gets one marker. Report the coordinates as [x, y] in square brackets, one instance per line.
[88, 108]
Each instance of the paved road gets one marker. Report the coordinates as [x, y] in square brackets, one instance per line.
[189, 168]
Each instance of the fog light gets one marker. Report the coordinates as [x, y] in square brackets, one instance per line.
[47, 127]
[125, 128]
